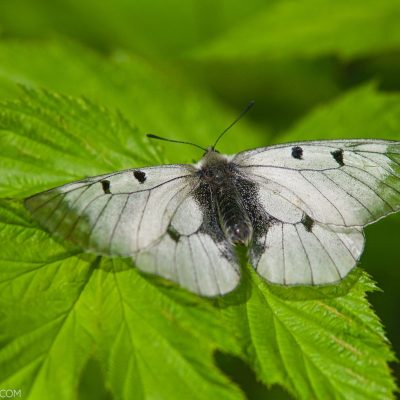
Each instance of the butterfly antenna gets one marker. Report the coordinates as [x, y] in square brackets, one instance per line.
[151, 136]
[238, 118]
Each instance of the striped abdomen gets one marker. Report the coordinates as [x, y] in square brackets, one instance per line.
[232, 215]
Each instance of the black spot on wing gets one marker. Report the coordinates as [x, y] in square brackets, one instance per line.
[308, 222]
[338, 156]
[173, 233]
[139, 175]
[297, 152]
[106, 186]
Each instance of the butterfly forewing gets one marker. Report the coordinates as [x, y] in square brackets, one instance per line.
[115, 213]
[348, 183]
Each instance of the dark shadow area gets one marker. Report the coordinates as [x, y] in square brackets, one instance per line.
[382, 67]
[382, 260]
[91, 385]
[301, 292]
[240, 373]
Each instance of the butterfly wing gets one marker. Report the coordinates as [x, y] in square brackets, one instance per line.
[203, 260]
[148, 214]
[320, 194]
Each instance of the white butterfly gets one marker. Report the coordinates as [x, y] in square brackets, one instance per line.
[300, 208]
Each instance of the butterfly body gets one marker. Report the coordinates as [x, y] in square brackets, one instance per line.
[300, 208]
[221, 177]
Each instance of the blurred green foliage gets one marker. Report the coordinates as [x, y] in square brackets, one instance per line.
[317, 69]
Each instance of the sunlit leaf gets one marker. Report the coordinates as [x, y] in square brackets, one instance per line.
[62, 308]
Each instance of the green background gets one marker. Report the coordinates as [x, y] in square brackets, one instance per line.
[183, 69]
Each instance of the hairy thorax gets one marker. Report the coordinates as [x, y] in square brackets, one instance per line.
[220, 177]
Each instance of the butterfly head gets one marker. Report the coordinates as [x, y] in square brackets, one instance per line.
[212, 158]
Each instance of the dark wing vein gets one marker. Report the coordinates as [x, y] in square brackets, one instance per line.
[331, 144]
[312, 184]
[327, 253]
[377, 179]
[264, 247]
[79, 217]
[289, 168]
[66, 212]
[395, 161]
[117, 223]
[179, 191]
[345, 246]
[97, 220]
[350, 195]
[141, 219]
[284, 187]
[196, 279]
[175, 266]
[211, 264]
[369, 187]
[283, 257]
[53, 210]
[379, 165]
[305, 252]
[154, 187]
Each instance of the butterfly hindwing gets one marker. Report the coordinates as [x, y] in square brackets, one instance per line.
[294, 255]
[194, 251]
[195, 261]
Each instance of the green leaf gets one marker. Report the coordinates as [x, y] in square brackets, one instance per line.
[61, 310]
[363, 112]
[317, 346]
[64, 130]
[159, 99]
[347, 28]
[75, 307]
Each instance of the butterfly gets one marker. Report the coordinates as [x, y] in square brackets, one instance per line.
[299, 208]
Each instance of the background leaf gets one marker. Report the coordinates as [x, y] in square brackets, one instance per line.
[166, 29]
[128, 68]
[312, 28]
[361, 113]
[65, 130]
[157, 99]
